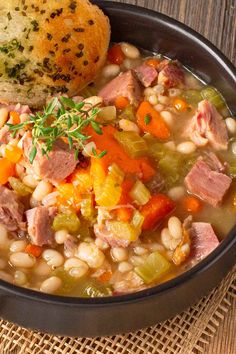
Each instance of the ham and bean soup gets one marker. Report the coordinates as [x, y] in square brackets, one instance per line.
[118, 189]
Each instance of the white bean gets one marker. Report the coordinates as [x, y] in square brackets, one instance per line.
[20, 278]
[168, 118]
[163, 99]
[110, 70]
[175, 227]
[5, 276]
[102, 245]
[119, 254]
[174, 92]
[187, 147]
[231, 125]
[22, 260]
[140, 251]
[233, 148]
[170, 145]
[176, 193]
[42, 189]
[3, 116]
[4, 241]
[128, 126]
[153, 100]
[30, 181]
[91, 254]
[89, 148]
[156, 247]
[130, 51]
[20, 171]
[53, 258]
[51, 285]
[50, 199]
[18, 246]
[168, 241]
[128, 63]
[61, 236]
[148, 92]
[3, 263]
[124, 267]
[158, 89]
[159, 107]
[92, 101]
[42, 268]
[136, 260]
[76, 267]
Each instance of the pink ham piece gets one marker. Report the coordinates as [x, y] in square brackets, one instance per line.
[171, 74]
[125, 85]
[146, 74]
[11, 210]
[207, 125]
[107, 236]
[203, 240]
[40, 221]
[207, 184]
[59, 164]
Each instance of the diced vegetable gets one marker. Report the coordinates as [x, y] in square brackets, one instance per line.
[211, 94]
[154, 62]
[98, 174]
[107, 114]
[137, 219]
[121, 102]
[14, 117]
[180, 105]
[93, 288]
[124, 213]
[157, 208]
[67, 221]
[111, 190]
[19, 187]
[128, 113]
[86, 207]
[13, 153]
[82, 180]
[133, 144]
[153, 268]
[192, 96]
[7, 169]
[123, 230]
[69, 196]
[170, 166]
[36, 251]
[126, 186]
[115, 55]
[69, 283]
[139, 193]
[192, 204]
[150, 121]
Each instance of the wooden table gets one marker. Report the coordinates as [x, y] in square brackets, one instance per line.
[216, 20]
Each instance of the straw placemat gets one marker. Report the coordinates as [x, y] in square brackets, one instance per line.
[184, 334]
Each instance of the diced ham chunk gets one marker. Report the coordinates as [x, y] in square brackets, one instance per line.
[55, 167]
[146, 74]
[204, 240]
[17, 108]
[171, 74]
[107, 236]
[125, 85]
[207, 184]
[5, 135]
[207, 125]
[40, 225]
[11, 210]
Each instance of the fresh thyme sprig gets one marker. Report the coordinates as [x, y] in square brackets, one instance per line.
[61, 118]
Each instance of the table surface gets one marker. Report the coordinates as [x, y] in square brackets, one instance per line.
[216, 20]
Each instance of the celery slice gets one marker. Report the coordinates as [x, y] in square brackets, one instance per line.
[137, 220]
[107, 114]
[123, 230]
[192, 96]
[211, 94]
[128, 113]
[19, 187]
[93, 288]
[133, 144]
[153, 268]
[68, 221]
[139, 193]
[86, 207]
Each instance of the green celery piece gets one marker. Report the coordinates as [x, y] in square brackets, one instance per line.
[153, 268]
[192, 96]
[19, 187]
[69, 283]
[212, 95]
[94, 288]
[128, 113]
[68, 221]
[133, 144]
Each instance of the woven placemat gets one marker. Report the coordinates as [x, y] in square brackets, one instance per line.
[184, 334]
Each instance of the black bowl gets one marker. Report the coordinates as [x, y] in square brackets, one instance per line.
[106, 316]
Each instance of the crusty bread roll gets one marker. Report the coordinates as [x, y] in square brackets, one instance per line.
[49, 46]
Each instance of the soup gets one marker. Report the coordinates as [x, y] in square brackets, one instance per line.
[121, 188]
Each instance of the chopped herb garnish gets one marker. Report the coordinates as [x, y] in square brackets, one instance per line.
[147, 119]
[10, 46]
[61, 118]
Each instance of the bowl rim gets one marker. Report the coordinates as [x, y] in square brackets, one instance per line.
[199, 268]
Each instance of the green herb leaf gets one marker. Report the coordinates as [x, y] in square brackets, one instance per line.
[103, 153]
[68, 102]
[96, 127]
[147, 119]
[51, 106]
[32, 154]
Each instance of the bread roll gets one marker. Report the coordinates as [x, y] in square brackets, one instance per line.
[49, 46]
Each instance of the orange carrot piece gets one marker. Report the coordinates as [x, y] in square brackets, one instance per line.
[105, 277]
[192, 204]
[180, 105]
[36, 251]
[82, 180]
[126, 187]
[153, 62]
[69, 196]
[124, 214]
[115, 55]
[121, 102]
[150, 121]
[7, 169]
[13, 153]
[14, 117]
[157, 208]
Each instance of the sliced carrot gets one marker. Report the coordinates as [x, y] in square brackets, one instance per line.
[69, 196]
[180, 105]
[82, 180]
[126, 187]
[36, 251]
[13, 153]
[14, 117]
[124, 214]
[158, 207]
[105, 277]
[150, 121]
[192, 204]
[115, 55]
[153, 62]
[7, 169]
[121, 102]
